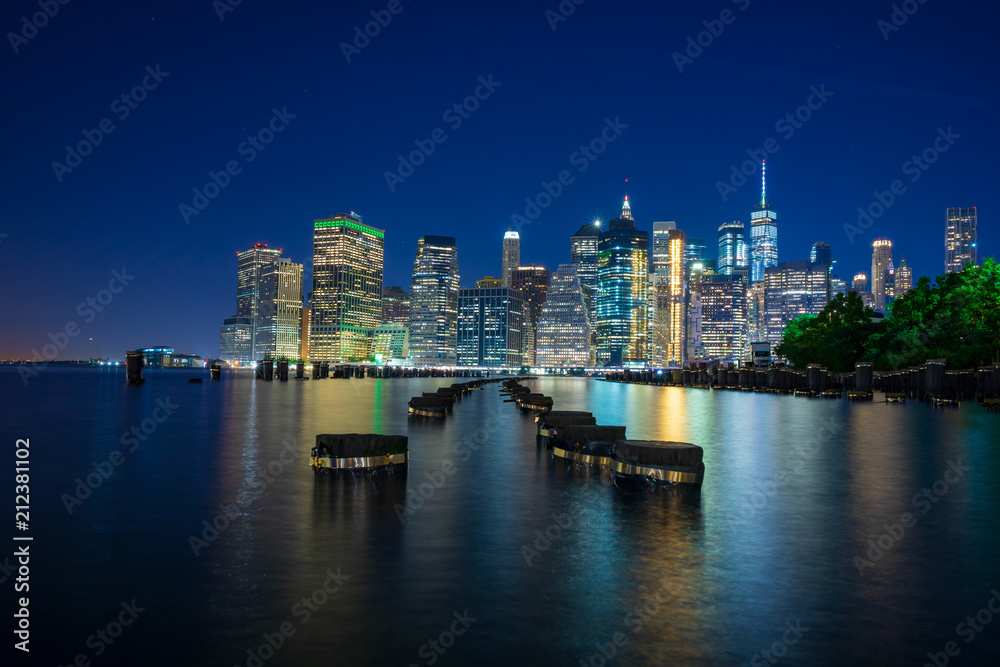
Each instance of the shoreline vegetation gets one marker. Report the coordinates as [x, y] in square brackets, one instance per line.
[955, 319]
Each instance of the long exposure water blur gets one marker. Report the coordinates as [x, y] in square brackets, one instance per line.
[486, 550]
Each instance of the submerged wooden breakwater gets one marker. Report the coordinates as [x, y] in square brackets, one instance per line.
[931, 382]
[576, 436]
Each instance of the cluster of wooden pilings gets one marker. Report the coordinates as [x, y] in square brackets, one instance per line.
[577, 437]
[439, 403]
[931, 382]
[525, 399]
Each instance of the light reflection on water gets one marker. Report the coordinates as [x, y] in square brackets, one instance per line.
[732, 563]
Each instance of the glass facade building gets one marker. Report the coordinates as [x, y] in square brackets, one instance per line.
[732, 248]
[434, 302]
[881, 267]
[724, 332]
[511, 257]
[563, 333]
[622, 292]
[533, 283]
[960, 240]
[251, 301]
[395, 306]
[791, 289]
[763, 234]
[348, 258]
[235, 340]
[489, 327]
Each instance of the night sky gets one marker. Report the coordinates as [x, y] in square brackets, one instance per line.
[344, 124]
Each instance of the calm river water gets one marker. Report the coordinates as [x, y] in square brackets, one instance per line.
[772, 555]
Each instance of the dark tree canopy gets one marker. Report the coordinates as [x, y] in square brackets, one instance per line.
[956, 319]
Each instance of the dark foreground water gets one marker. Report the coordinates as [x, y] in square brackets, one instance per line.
[768, 557]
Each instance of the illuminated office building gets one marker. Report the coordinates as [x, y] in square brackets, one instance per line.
[563, 332]
[763, 234]
[791, 289]
[434, 302]
[961, 238]
[881, 263]
[695, 250]
[904, 278]
[724, 330]
[251, 301]
[390, 341]
[623, 292]
[821, 253]
[583, 253]
[489, 327]
[348, 256]
[661, 243]
[235, 339]
[511, 258]
[732, 248]
[269, 297]
[395, 306]
[533, 282]
[676, 298]
[282, 290]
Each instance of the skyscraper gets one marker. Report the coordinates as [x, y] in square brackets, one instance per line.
[904, 278]
[622, 286]
[695, 249]
[661, 243]
[282, 290]
[732, 248]
[723, 316]
[821, 253]
[763, 233]
[533, 283]
[960, 239]
[395, 306]
[583, 253]
[881, 261]
[235, 338]
[563, 332]
[511, 255]
[791, 289]
[251, 301]
[676, 298]
[489, 327]
[434, 302]
[348, 257]
[860, 283]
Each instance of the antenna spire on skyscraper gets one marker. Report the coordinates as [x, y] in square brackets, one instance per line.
[626, 208]
[763, 182]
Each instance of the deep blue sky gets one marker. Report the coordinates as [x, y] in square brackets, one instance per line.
[119, 208]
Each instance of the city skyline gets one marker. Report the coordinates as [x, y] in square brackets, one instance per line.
[870, 108]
